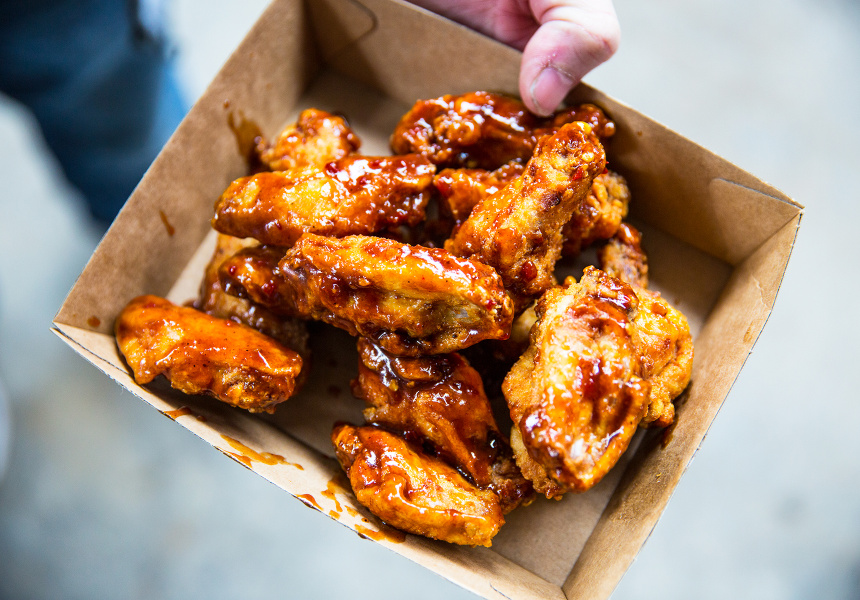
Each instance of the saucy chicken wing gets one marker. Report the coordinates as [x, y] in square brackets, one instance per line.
[199, 353]
[577, 394]
[215, 300]
[316, 138]
[663, 341]
[460, 190]
[622, 256]
[253, 273]
[518, 229]
[604, 358]
[352, 195]
[441, 401]
[415, 492]
[595, 219]
[483, 130]
[408, 299]
[599, 217]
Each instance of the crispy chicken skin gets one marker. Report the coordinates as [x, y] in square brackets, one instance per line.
[199, 353]
[622, 257]
[415, 492]
[599, 217]
[517, 230]
[662, 338]
[352, 195]
[317, 137]
[216, 301]
[441, 401]
[577, 395]
[482, 129]
[409, 299]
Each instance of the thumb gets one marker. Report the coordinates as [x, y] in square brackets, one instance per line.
[572, 39]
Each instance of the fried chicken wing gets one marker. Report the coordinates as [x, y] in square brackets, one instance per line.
[441, 401]
[253, 273]
[483, 129]
[414, 492]
[215, 300]
[577, 395]
[599, 217]
[603, 355]
[462, 189]
[352, 195]
[408, 299]
[518, 229]
[622, 257]
[199, 353]
[316, 138]
[663, 341]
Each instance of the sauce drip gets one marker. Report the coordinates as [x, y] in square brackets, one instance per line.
[246, 455]
[248, 136]
[385, 532]
[179, 412]
[170, 228]
[331, 490]
[309, 501]
[94, 322]
[667, 434]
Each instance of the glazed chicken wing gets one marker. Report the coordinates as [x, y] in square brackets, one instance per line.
[440, 400]
[662, 338]
[622, 257]
[604, 358]
[482, 129]
[460, 190]
[599, 217]
[408, 299]
[199, 353]
[316, 138]
[517, 230]
[577, 395]
[415, 492]
[216, 301]
[253, 273]
[352, 195]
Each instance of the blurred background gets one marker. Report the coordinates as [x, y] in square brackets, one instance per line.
[105, 498]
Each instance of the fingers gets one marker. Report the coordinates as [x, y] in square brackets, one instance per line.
[573, 38]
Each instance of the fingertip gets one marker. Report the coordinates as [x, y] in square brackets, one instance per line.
[568, 44]
[547, 91]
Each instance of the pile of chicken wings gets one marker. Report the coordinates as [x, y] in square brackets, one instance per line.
[435, 258]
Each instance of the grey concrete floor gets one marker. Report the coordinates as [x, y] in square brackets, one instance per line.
[104, 498]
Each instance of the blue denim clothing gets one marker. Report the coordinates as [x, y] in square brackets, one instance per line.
[100, 84]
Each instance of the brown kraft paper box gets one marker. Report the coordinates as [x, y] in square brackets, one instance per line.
[718, 241]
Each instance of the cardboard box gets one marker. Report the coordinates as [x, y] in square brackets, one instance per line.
[718, 240]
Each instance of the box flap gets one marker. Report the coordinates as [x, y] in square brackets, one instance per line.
[402, 53]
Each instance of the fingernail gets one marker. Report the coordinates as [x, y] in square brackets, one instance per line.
[548, 90]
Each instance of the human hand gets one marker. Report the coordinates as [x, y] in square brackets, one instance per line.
[561, 40]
